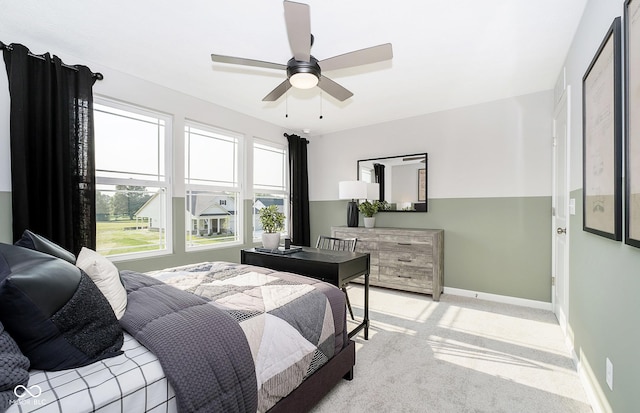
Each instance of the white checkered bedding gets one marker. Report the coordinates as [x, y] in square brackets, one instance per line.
[129, 383]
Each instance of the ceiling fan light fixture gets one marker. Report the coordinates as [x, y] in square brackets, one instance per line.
[303, 80]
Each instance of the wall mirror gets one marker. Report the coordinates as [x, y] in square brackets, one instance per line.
[402, 179]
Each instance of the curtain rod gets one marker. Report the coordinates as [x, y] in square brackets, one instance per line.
[96, 75]
[286, 135]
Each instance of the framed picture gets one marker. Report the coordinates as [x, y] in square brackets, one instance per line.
[602, 139]
[422, 185]
[632, 125]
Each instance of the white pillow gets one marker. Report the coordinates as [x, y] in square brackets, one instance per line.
[106, 276]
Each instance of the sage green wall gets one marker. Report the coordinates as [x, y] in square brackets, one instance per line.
[5, 218]
[604, 311]
[182, 257]
[492, 245]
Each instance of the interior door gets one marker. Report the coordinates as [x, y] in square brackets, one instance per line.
[560, 220]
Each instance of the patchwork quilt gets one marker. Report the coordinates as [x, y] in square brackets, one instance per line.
[293, 324]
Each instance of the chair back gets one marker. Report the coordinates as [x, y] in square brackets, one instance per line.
[336, 244]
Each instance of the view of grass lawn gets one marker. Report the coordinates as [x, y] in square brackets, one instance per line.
[121, 237]
[196, 240]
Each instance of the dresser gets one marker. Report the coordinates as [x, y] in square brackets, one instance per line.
[402, 258]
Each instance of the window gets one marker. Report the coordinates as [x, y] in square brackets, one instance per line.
[212, 183]
[133, 206]
[269, 181]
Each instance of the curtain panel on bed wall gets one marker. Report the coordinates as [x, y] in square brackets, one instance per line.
[52, 147]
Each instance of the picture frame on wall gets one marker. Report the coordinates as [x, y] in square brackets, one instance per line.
[632, 122]
[422, 185]
[602, 138]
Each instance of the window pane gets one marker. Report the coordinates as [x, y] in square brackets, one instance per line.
[211, 158]
[212, 217]
[265, 200]
[269, 167]
[130, 219]
[128, 145]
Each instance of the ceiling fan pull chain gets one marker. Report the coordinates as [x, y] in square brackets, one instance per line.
[286, 105]
[321, 104]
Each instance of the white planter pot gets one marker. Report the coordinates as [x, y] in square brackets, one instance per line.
[369, 222]
[271, 240]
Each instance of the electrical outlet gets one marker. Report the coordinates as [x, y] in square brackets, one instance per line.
[609, 373]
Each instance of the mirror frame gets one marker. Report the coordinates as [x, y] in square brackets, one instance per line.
[426, 180]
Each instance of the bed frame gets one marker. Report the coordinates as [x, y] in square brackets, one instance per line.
[316, 386]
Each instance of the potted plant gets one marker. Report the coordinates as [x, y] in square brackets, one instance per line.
[272, 223]
[369, 209]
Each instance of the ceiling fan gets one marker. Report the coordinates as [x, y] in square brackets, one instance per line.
[303, 70]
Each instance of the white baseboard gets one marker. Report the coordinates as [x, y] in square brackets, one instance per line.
[595, 394]
[499, 298]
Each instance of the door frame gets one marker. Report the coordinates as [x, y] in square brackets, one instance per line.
[562, 314]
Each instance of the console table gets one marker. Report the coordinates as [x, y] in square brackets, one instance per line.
[335, 267]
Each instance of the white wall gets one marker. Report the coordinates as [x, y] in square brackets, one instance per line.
[495, 149]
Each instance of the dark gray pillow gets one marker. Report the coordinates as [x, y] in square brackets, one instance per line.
[40, 243]
[53, 310]
[14, 369]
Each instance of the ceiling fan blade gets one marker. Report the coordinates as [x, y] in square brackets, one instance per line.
[298, 20]
[277, 92]
[246, 62]
[334, 89]
[359, 57]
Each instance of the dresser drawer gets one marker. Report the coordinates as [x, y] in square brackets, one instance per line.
[407, 240]
[412, 277]
[405, 258]
[361, 236]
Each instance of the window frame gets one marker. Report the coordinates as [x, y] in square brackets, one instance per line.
[166, 183]
[238, 188]
[284, 192]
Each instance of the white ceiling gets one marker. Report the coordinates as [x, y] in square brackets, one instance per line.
[447, 53]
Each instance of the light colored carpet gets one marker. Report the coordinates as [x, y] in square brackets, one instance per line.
[457, 355]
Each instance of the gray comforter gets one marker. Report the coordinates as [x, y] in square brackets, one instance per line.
[202, 349]
[293, 324]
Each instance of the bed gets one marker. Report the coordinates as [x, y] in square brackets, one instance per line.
[169, 314]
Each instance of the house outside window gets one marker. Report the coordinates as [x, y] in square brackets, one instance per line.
[133, 158]
[270, 183]
[212, 187]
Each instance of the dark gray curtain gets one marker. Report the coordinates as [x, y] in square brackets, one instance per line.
[52, 148]
[299, 197]
[378, 171]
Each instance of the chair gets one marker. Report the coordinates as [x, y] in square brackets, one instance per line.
[338, 244]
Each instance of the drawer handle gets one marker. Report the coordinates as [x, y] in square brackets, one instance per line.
[404, 243]
[404, 259]
[404, 276]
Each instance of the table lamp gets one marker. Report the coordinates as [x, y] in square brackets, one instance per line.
[352, 190]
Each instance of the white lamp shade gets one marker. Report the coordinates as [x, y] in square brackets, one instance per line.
[352, 190]
[373, 191]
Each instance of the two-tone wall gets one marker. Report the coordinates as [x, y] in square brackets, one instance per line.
[489, 185]
[604, 308]
[489, 188]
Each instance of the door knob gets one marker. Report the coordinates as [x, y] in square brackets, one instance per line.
[561, 231]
